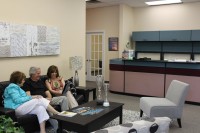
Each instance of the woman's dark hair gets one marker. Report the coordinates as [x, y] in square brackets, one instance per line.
[52, 69]
[17, 77]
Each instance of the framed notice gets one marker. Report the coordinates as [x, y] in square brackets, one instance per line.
[113, 43]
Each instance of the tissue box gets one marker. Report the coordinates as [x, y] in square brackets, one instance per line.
[128, 54]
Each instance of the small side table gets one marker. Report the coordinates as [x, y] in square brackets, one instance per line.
[88, 89]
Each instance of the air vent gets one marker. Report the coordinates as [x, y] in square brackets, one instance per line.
[93, 1]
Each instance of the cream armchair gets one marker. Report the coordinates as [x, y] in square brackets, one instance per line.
[171, 106]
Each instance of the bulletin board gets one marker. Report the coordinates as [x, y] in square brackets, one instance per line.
[18, 40]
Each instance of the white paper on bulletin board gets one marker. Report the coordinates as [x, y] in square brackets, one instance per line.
[28, 40]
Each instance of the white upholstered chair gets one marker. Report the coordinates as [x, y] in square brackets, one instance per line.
[171, 106]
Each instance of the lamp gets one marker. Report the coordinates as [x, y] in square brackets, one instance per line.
[76, 63]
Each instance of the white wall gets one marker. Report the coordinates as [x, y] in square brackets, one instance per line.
[67, 15]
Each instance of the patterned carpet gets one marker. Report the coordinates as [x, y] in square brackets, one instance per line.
[128, 116]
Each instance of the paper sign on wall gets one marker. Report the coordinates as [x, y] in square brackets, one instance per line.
[28, 40]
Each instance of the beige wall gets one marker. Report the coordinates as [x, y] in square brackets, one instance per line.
[67, 15]
[104, 19]
[167, 17]
[126, 27]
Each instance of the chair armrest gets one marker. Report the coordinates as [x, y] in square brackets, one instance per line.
[9, 112]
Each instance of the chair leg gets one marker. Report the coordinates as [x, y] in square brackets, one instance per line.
[141, 113]
[179, 122]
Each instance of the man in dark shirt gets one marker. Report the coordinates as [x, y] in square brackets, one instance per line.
[35, 86]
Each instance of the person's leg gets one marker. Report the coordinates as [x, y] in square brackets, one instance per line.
[60, 100]
[28, 106]
[42, 127]
[53, 122]
[38, 107]
[42, 116]
[44, 102]
[71, 100]
[51, 109]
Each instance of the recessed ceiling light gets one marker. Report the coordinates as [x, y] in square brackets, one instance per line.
[162, 2]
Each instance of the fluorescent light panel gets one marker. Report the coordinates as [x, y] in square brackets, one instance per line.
[162, 2]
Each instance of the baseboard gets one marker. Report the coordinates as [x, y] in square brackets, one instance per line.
[137, 95]
[193, 103]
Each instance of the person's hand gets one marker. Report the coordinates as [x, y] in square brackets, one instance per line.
[49, 99]
[60, 91]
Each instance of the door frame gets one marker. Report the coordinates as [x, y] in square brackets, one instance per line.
[103, 53]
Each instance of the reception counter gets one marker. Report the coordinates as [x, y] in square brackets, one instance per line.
[152, 78]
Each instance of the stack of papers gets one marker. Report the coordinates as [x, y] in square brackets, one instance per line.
[67, 113]
[180, 60]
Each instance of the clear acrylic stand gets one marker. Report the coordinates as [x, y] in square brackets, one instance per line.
[106, 103]
[99, 81]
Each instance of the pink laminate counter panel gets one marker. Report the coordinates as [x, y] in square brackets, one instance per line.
[150, 84]
[116, 81]
[152, 78]
[194, 91]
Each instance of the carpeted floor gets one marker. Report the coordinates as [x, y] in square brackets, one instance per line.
[190, 119]
[128, 116]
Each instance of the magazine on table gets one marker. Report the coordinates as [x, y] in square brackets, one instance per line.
[67, 113]
[87, 110]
